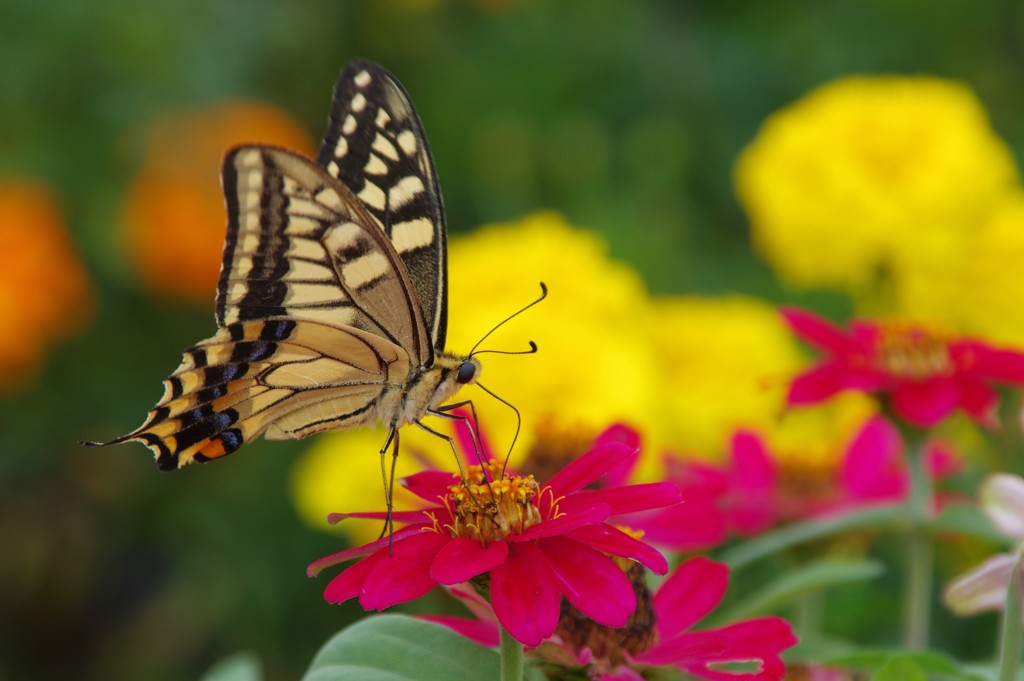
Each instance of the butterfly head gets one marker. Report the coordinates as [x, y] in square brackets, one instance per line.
[467, 371]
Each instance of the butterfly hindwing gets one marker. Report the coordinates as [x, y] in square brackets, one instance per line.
[375, 145]
[300, 245]
[288, 378]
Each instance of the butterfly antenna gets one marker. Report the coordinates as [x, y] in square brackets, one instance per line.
[543, 295]
[519, 423]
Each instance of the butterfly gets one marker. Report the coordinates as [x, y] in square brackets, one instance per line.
[331, 305]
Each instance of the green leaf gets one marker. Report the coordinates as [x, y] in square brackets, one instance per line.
[968, 519]
[929, 662]
[882, 516]
[806, 579]
[900, 669]
[242, 666]
[400, 648]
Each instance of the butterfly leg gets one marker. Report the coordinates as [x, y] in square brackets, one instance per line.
[389, 480]
[473, 425]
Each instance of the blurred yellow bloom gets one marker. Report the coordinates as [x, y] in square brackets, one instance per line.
[684, 372]
[980, 291]
[174, 217]
[44, 290]
[866, 172]
[726, 364]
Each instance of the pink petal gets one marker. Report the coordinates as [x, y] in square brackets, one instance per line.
[1002, 500]
[818, 331]
[591, 581]
[693, 590]
[359, 551]
[751, 504]
[525, 595]
[622, 434]
[979, 401]
[349, 583]
[753, 469]
[943, 461]
[872, 467]
[925, 403]
[816, 384]
[978, 359]
[610, 540]
[588, 468]
[465, 441]
[758, 640]
[697, 476]
[628, 499]
[695, 524]
[463, 558]
[484, 633]
[474, 602]
[562, 524]
[981, 589]
[404, 575]
[430, 485]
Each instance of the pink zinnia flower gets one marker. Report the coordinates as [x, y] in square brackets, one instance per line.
[754, 490]
[535, 543]
[926, 374]
[659, 634]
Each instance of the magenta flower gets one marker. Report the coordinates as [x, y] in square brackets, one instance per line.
[926, 374]
[535, 544]
[754, 491]
[658, 636]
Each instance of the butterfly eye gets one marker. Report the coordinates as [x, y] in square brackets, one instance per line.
[466, 373]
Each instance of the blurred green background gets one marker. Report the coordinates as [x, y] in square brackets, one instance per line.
[625, 116]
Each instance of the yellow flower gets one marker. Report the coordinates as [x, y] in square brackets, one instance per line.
[865, 172]
[979, 292]
[44, 290]
[173, 225]
[725, 363]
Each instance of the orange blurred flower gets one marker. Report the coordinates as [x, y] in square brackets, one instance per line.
[174, 219]
[44, 291]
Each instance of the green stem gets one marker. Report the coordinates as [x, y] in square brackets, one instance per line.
[918, 572]
[511, 658]
[1011, 638]
[808, 613]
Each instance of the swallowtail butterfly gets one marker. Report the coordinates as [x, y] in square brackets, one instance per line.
[332, 301]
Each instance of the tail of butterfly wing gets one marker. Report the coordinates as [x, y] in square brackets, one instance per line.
[214, 403]
[286, 377]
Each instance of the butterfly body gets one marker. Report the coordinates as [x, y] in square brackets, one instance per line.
[332, 304]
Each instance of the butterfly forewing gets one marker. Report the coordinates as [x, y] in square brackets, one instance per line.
[375, 145]
[300, 245]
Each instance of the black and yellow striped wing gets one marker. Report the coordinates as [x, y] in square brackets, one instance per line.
[332, 291]
[376, 146]
[299, 244]
[286, 378]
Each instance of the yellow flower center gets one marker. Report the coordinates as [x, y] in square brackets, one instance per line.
[913, 351]
[490, 505]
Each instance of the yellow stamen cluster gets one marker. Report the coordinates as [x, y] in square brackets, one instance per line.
[913, 351]
[489, 505]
